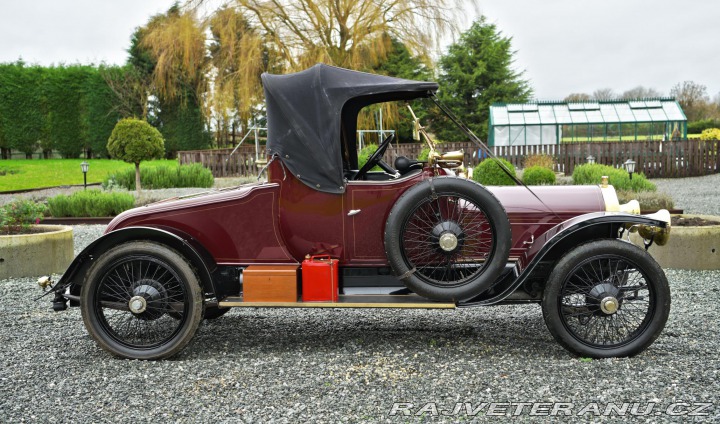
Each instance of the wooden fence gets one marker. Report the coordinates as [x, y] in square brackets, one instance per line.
[657, 159]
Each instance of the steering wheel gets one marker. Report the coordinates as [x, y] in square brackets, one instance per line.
[376, 159]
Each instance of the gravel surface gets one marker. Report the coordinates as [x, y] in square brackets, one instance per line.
[260, 365]
[694, 195]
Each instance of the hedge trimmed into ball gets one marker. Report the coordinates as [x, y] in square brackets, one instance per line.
[489, 173]
[538, 175]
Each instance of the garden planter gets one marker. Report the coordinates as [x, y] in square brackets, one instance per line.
[689, 247]
[30, 255]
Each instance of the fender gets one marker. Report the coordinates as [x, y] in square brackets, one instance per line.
[553, 243]
[195, 253]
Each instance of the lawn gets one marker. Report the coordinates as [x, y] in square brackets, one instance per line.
[19, 174]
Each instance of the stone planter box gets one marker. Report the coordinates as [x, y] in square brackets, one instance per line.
[37, 254]
[689, 247]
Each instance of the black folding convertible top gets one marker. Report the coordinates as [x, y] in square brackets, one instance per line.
[306, 111]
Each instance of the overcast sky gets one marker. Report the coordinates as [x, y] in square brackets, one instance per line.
[565, 46]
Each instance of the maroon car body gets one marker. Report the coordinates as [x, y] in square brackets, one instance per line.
[562, 246]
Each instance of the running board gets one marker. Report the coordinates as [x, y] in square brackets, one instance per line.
[411, 301]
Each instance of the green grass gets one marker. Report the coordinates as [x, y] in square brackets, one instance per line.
[19, 174]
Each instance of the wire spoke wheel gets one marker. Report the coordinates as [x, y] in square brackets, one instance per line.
[606, 301]
[135, 301]
[447, 238]
[141, 300]
[606, 298]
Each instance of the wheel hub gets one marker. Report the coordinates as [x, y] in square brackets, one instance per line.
[605, 299]
[448, 237]
[137, 304]
[609, 305]
[148, 292]
[448, 242]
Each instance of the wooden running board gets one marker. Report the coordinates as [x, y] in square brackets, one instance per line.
[346, 301]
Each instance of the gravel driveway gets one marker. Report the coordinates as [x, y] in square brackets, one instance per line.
[353, 365]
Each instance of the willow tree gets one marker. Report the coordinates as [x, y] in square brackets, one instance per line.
[239, 56]
[176, 42]
[352, 34]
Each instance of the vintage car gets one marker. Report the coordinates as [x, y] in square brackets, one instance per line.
[414, 235]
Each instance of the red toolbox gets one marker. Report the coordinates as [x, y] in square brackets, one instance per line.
[319, 279]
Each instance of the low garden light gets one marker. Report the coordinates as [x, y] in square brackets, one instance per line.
[629, 166]
[590, 159]
[84, 166]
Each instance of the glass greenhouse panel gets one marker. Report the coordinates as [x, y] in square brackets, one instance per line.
[501, 136]
[517, 136]
[578, 117]
[532, 118]
[594, 116]
[517, 119]
[533, 135]
[625, 114]
[641, 115]
[547, 116]
[562, 114]
[608, 113]
[673, 112]
[657, 115]
[549, 135]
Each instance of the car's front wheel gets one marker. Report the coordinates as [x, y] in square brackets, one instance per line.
[606, 298]
[141, 300]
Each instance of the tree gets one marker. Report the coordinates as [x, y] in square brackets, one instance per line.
[640, 92]
[134, 141]
[172, 50]
[475, 73]
[352, 34]
[578, 97]
[238, 55]
[692, 97]
[604, 94]
[400, 63]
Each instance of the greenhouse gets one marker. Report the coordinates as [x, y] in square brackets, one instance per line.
[544, 123]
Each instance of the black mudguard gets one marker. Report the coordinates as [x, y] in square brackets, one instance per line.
[560, 239]
[195, 253]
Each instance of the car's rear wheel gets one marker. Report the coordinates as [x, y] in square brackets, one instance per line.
[141, 300]
[447, 238]
[606, 298]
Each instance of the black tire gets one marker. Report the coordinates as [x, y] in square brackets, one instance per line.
[214, 312]
[154, 280]
[613, 271]
[476, 247]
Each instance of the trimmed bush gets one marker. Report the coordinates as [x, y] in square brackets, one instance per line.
[649, 200]
[710, 134]
[489, 173]
[538, 175]
[619, 178]
[90, 203]
[133, 141]
[542, 160]
[157, 177]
